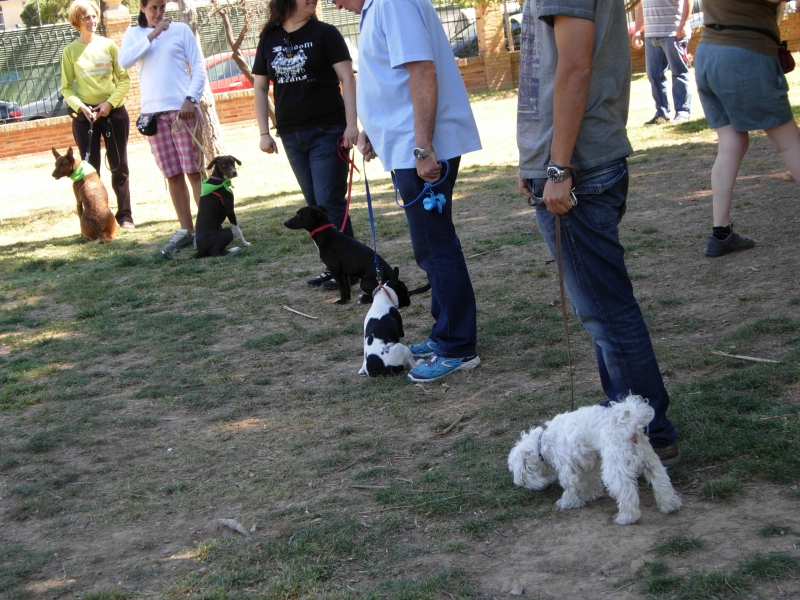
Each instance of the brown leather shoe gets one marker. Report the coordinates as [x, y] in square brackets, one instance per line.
[669, 455]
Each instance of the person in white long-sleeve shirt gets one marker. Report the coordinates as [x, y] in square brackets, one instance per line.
[162, 50]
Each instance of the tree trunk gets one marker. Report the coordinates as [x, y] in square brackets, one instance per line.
[235, 45]
[212, 132]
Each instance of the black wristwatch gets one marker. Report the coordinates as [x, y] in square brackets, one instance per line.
[192, 100]
[558, 174]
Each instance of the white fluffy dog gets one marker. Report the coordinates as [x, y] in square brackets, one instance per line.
[593, 447]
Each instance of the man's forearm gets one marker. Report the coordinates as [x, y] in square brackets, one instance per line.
[571, 86]
[424, 98]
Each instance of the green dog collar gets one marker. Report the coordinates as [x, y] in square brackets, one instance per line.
[82, 171]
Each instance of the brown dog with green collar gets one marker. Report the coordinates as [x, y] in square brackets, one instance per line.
[97, 220]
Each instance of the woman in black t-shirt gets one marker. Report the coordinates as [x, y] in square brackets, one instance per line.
[306, 60]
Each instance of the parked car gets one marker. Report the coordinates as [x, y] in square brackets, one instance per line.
[224, 74]
[10, 112]
[53, 105]
[464, 43]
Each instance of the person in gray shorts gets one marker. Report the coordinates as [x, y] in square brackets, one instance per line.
[742, 88]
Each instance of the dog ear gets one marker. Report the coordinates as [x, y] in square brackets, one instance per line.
[211, 164]
[56, 154]
[396, 274]
[238, 162]
[69, 152]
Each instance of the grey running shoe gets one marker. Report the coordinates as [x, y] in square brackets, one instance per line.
[733, 243]
[180, 239]
[669, 455]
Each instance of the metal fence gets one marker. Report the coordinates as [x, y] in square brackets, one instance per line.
[30, 58]
[30, 62]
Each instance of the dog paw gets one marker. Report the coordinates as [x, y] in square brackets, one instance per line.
[628, 518]
[232, 250]
[568, 503]
[668, 505]
[246, 243]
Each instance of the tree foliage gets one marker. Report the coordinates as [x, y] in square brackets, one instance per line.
[52, 11]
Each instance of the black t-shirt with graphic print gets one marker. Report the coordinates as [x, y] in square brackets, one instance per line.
[305, 85]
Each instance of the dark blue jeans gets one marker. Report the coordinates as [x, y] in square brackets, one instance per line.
[314, 157]
[437, 251]
[660, 52]
[601, 292]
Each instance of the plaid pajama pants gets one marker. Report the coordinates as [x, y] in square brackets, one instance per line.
[172, 144]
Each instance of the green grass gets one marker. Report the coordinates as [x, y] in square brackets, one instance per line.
[658, 582]
[142, 399]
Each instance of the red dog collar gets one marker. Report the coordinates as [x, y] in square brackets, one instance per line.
[320, 228]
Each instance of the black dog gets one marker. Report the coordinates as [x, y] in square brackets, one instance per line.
[216, 204]
[345, 256]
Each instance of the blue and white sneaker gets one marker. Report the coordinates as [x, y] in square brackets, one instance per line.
[437, 367]
[423, 350]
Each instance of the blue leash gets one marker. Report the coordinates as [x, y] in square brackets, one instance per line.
[371, 221]
[430, 200]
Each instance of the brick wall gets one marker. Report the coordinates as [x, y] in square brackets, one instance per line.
[473, 74]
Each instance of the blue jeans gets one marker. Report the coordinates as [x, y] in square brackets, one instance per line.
[601, 292]
[437, 251]
[314, 157]
[660, 52]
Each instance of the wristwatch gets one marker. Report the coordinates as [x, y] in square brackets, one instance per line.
[192, 100]
[420, 153]
[558, 174]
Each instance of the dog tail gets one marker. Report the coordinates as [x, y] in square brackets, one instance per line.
[420, 290]
[633, 413]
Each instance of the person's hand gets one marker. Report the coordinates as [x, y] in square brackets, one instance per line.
[636, 40]
[163, 25]
[102, 109]
[187, 110]
[522, 185]
[557, 196]
[429, 168]
[365, 147]
[268, 145]
[350, 137]
[88, 113]
[682, 32]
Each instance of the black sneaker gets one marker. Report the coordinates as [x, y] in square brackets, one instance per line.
[331, 284]
[320, 279]
[657, 120]
[733, 243]
[669, 455]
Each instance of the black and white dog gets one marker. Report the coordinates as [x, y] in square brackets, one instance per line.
[216, 204]
[384, 354]
[346, 257]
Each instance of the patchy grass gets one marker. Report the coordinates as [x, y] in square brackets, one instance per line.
[142, 400]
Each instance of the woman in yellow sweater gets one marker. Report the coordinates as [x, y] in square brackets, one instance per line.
[94, 85]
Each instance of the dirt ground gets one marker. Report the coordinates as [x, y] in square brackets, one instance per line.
[579, 554]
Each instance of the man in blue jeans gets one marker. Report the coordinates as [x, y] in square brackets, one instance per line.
[572, 111]
[418, 121]
[666, 38]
